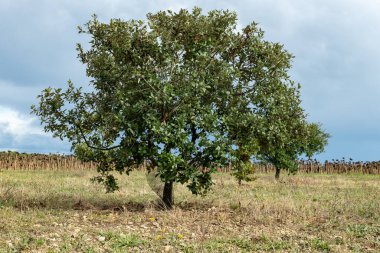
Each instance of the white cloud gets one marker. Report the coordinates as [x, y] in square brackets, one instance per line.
[18, 125]
[21, 132]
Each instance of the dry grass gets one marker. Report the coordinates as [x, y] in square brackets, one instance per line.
[62, 211]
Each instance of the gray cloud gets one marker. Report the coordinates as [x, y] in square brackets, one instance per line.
[335, 44]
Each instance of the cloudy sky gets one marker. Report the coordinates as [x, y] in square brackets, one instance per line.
[335, 44]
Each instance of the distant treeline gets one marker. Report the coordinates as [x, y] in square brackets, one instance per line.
[24, 161]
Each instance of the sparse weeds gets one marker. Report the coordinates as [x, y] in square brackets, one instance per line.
[364, 231]
[60, 211]
[123, 241]
[320, 245]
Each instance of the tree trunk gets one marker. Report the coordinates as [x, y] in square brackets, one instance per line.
[277, 176]
[167, 197]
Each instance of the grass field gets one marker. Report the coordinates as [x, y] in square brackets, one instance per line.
[62, 211]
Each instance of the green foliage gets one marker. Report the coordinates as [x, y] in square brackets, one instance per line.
[184, 93]
[243, 170]
[284, 134]
[363, 230]
[122, 241]
[320, 245]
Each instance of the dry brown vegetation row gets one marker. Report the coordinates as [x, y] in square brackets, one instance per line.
[23, 161]
[328, 167]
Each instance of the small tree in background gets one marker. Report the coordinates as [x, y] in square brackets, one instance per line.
[183, 92]
[284, 134]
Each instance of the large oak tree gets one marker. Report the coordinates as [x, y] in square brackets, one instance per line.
[182, 93]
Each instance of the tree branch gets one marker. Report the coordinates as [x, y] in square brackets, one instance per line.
[93, 147]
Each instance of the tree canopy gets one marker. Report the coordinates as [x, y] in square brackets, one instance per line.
[183, 93]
